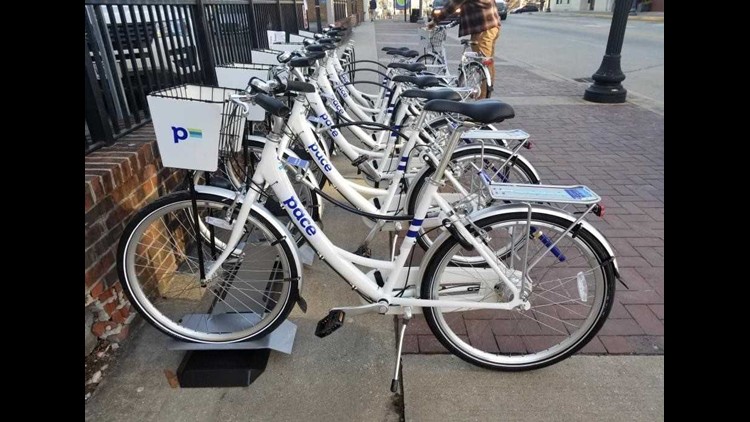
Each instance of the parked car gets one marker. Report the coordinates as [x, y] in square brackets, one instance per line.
[437, 10]
[502, 9]
[527, 8]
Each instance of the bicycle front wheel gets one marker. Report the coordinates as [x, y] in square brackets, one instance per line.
[572, 293]
[158, 265]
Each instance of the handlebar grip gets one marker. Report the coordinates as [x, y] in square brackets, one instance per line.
[272, 105]
[299, 86]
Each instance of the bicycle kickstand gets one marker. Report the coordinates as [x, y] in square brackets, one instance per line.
[407, 316]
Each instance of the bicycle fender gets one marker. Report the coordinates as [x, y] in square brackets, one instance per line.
[512, 208]
[269, 218]
[546, 209]
[519, 157]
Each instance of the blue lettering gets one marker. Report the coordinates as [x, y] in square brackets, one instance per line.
[338, 107]
[327, 120]
[342, 91]
[179, 133]
[300, 216]
[320, 157]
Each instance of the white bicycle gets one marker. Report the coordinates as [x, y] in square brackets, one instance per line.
[511, 287]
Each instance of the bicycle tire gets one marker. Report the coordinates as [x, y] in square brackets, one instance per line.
[477, 69]
[545, 334]
[528, 175]
[155, 248]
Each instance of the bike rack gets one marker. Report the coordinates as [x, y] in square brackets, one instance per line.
[229, 365]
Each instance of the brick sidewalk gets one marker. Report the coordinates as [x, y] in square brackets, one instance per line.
[618, 151]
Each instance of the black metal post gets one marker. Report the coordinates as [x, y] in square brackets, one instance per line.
[208, 62]
[296, 18]
[317, 15]
[607, 86]
[96, 116]
[281, 17]
[252, 24]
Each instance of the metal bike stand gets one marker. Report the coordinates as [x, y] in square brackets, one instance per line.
[230, 365]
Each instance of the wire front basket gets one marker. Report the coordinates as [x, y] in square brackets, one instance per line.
[193, 123]
[434, 39]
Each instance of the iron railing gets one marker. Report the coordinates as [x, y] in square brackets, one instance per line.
[342, 9]
[133, 47]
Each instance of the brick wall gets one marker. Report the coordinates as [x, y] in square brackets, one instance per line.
[119, 180]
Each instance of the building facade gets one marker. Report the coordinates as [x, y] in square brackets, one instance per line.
[596, 5]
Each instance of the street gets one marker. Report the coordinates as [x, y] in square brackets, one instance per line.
[573, 47]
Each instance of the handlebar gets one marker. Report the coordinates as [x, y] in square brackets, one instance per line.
[268, 103]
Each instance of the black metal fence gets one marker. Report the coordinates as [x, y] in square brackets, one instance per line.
[340, 9]
[133, 47]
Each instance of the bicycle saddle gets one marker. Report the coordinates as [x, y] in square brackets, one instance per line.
[305, 61]
[432, 94]
[394, 48]
[469, 42]
[482, 111]
[423, 81]
[411, 67]
[320, 47]
[403, 53]
[332, 40]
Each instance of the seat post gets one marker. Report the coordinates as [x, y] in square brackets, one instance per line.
[450, 146]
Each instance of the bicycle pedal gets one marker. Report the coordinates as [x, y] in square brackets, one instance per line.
[332, 322]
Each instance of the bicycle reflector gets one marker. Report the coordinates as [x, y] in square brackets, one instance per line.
[488, 61]
[598, 210]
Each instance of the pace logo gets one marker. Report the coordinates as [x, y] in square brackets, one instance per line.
[337, 106]
[342, 91]
[315, 150]
[328, 122]
[181, 133]
[301, 216]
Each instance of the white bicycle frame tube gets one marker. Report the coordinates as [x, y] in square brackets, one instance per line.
[327, 90]
[271, 172]
[355, 93]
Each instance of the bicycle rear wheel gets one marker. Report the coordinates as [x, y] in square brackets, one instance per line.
[491, 159]
[158, 265]
[573, 292]
[474, 76]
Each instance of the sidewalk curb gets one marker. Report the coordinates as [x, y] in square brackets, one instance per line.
[645, 18]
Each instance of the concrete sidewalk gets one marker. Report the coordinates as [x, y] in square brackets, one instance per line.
[581, 388]
[346, 376]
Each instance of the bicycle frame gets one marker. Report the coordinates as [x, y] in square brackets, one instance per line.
[271, 172]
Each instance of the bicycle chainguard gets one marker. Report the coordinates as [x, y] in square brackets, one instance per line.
[332, 322]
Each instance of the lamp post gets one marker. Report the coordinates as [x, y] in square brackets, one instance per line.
[607, 86]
